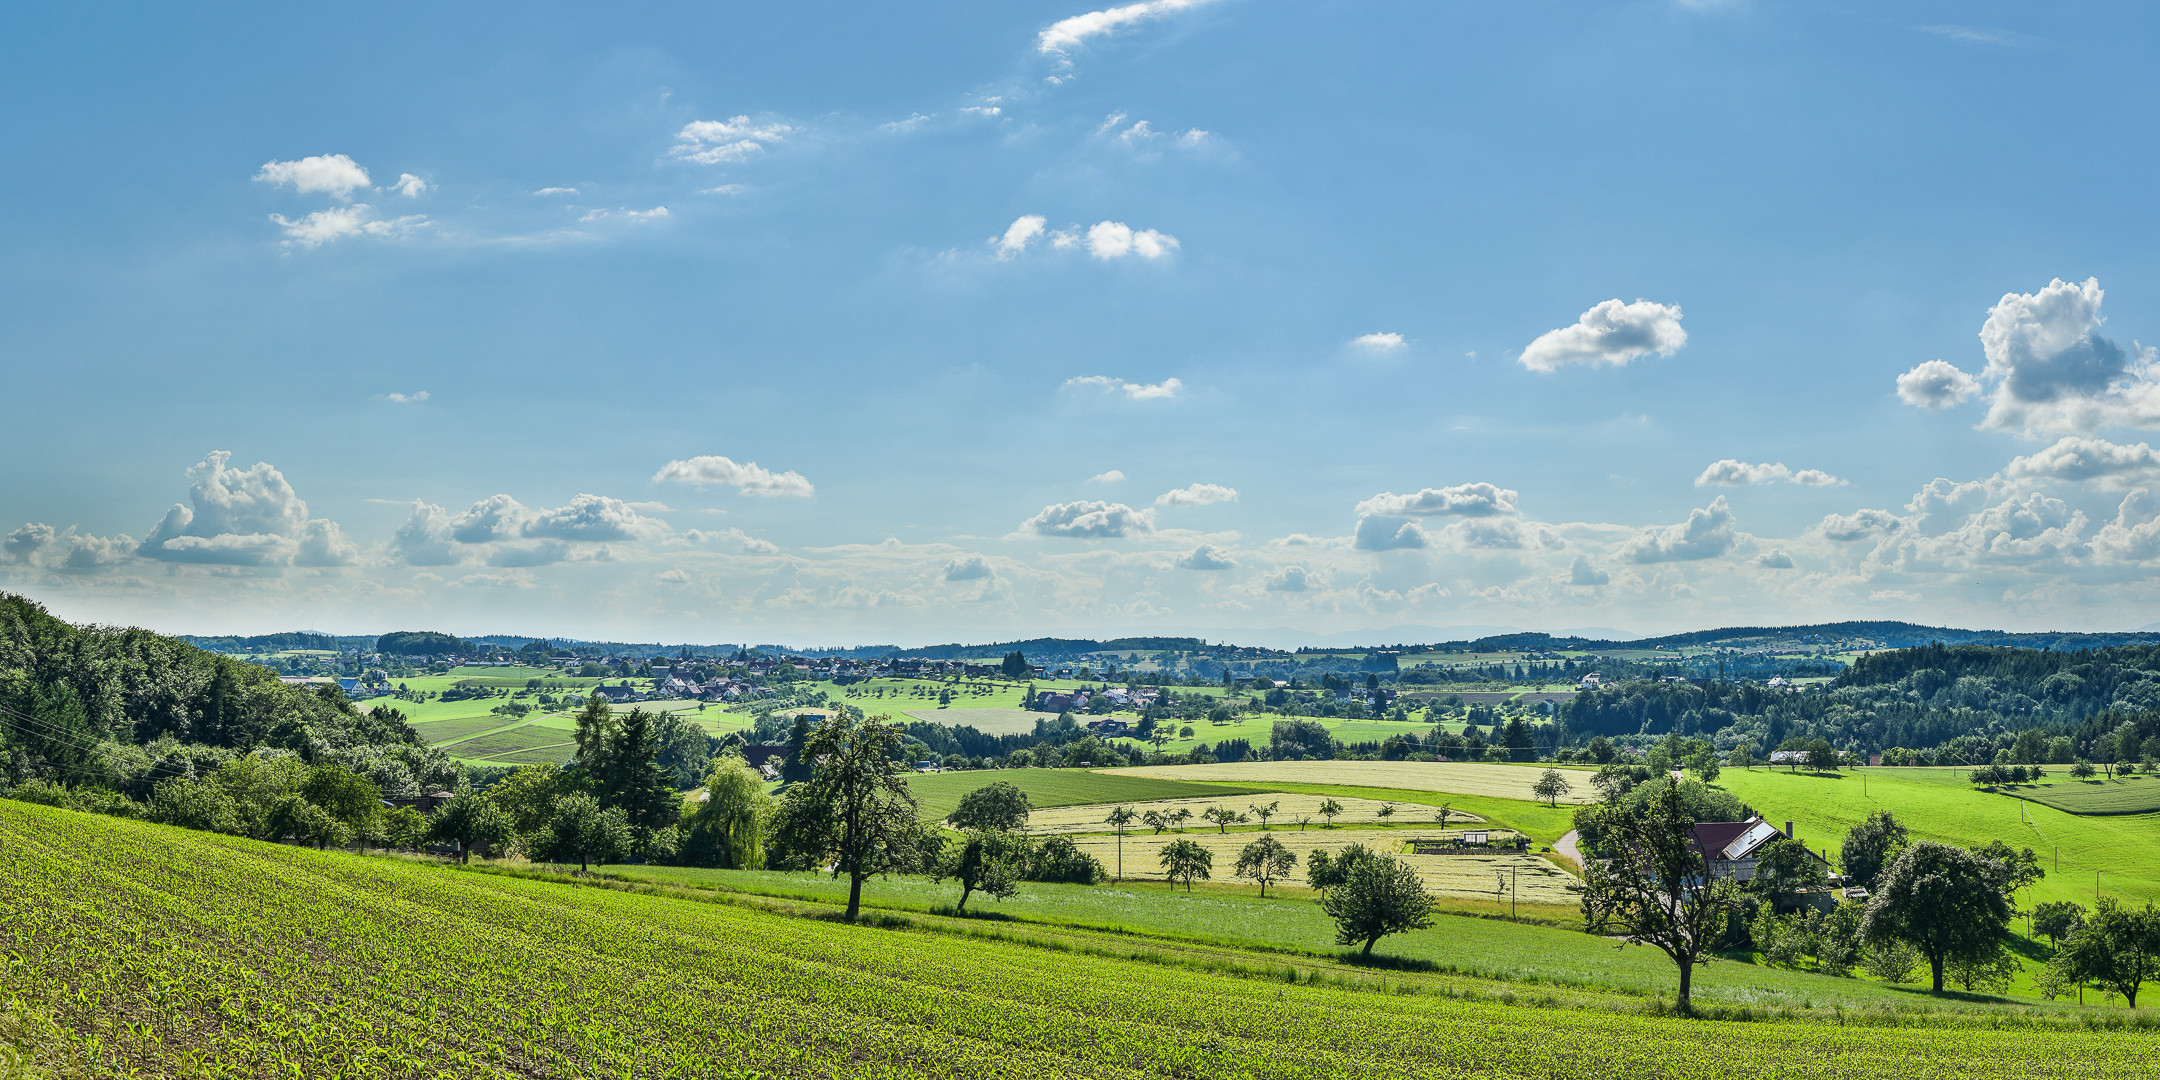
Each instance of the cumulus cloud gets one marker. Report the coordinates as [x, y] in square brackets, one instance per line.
[243, 517]
[557, 191]
[501, 531]
[1206, 557]
[1109, 240]
[1732, 472]
[413, 398]
[325, 226]
[968, 568]
[590, 518]
[735, 538]
[2036, 528]
[1090, 519]
[1133, 391]
[1706, 534]
[1583, 572]
[2134, 534]
[712, 142]
[1860, 525]
[1463, 500]
[1069, 33]
[1376, 533]
[2053, 372]
[1942, 503]
[1610, 333]
[1197, 495]
[1774, 560]
[1289, 579]
[2076, 458]
[1936, 384]
[64, 550]
[708, 470]
[1110, 477]
[424, 539]
[409, 185]
[1017, 235]
[1378, 342]
[335, 175]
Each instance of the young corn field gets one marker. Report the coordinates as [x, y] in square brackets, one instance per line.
[140, 951]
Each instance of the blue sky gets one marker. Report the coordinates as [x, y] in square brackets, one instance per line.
[877, 323]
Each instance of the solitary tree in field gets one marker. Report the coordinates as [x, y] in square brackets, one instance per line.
[989, 860]
[1378, 896]
[1386, 811]
[855, 809]
[1302, 821]
[1264, 811]
[1185, 860]
[1442, 815]
[1266, 860]
[1329, 809]
[1222, 816]
[1001, 806]
[1650, 884]
[2117, 949]
[1551, 786]
[1942, 900]
[1120, 819]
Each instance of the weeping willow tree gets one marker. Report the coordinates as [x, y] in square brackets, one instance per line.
[728, 828]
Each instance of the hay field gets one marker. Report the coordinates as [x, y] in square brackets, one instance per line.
[1472, 876]
[1089, 819]
[1492, 781]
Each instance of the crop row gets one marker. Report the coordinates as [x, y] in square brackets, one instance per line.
[168, 953]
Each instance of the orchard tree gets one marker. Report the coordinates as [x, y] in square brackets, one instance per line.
[855, 809]
[2057, 919]
[1184, 860]
[1870, 846]
[1001, 806]
[1550, 787]
[989, 860]
[1649, 883]
[469, 820]
[1266, 860]
[1329, 809]
[1120, 819]
[2117, 949]
[583, 831]
[1264, 811]
[1377, 897]
[1942, 900]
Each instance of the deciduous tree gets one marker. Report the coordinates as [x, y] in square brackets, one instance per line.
[2117, 949]
[1943, 901]
[1001, 806]
[1266, 861]
[1184, 860]
[1377, 897]
[1649, 884]
[855, 809]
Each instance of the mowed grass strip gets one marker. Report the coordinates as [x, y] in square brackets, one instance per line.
[1529, 877]
[1088, 818]
[940, 793]
[1494, 781]
[990, 720]
[2131, 796]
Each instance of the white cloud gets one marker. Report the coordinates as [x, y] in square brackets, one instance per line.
[1985, 35]
[1197, 495]
[64, 550]
[1378, 342]
[1860, 524]
[409, 185]
[2134, 534]
[1706, 534]
[913, 121]
[1191, 137]
[333, 174]
[557, 191]
[736, 538]
[336, 223]
[1732, 472]
[424, 538]
[1069, 33]
[592, 519]
[497, 517]
[1774, 560]
[1583, 572]
[1936, 384]
[981, 110]
[748, 477]
[1941, 504]
[1090, 519]
[1023, 229]
[2037, 528]
[1290, 579]
[413, 398]
[1108, 240]
[1464, 500]
[626, 214]
[2075, 458]
[1132, 391]
[1206, 557]
[711, 142]
[2052, 370]
[1610, 333]
[1376, 533]
[724, 189]
[244, 517]
[968, 568]
[1110, 477]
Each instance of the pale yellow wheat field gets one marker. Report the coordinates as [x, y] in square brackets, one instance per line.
[1464, 876]
[1494, 781]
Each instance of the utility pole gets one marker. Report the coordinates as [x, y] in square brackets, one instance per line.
[1511, 891]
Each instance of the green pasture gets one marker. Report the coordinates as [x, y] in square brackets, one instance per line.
[2117, 855]
[2121, 795]
[988, 720]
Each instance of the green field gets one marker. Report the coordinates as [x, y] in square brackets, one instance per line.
[2117, 855]
[990, 720]
[144, 951]
[2134, 795]
[940, 793]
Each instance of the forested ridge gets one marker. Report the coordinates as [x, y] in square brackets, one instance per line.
[93, 706]
[1979, 697]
